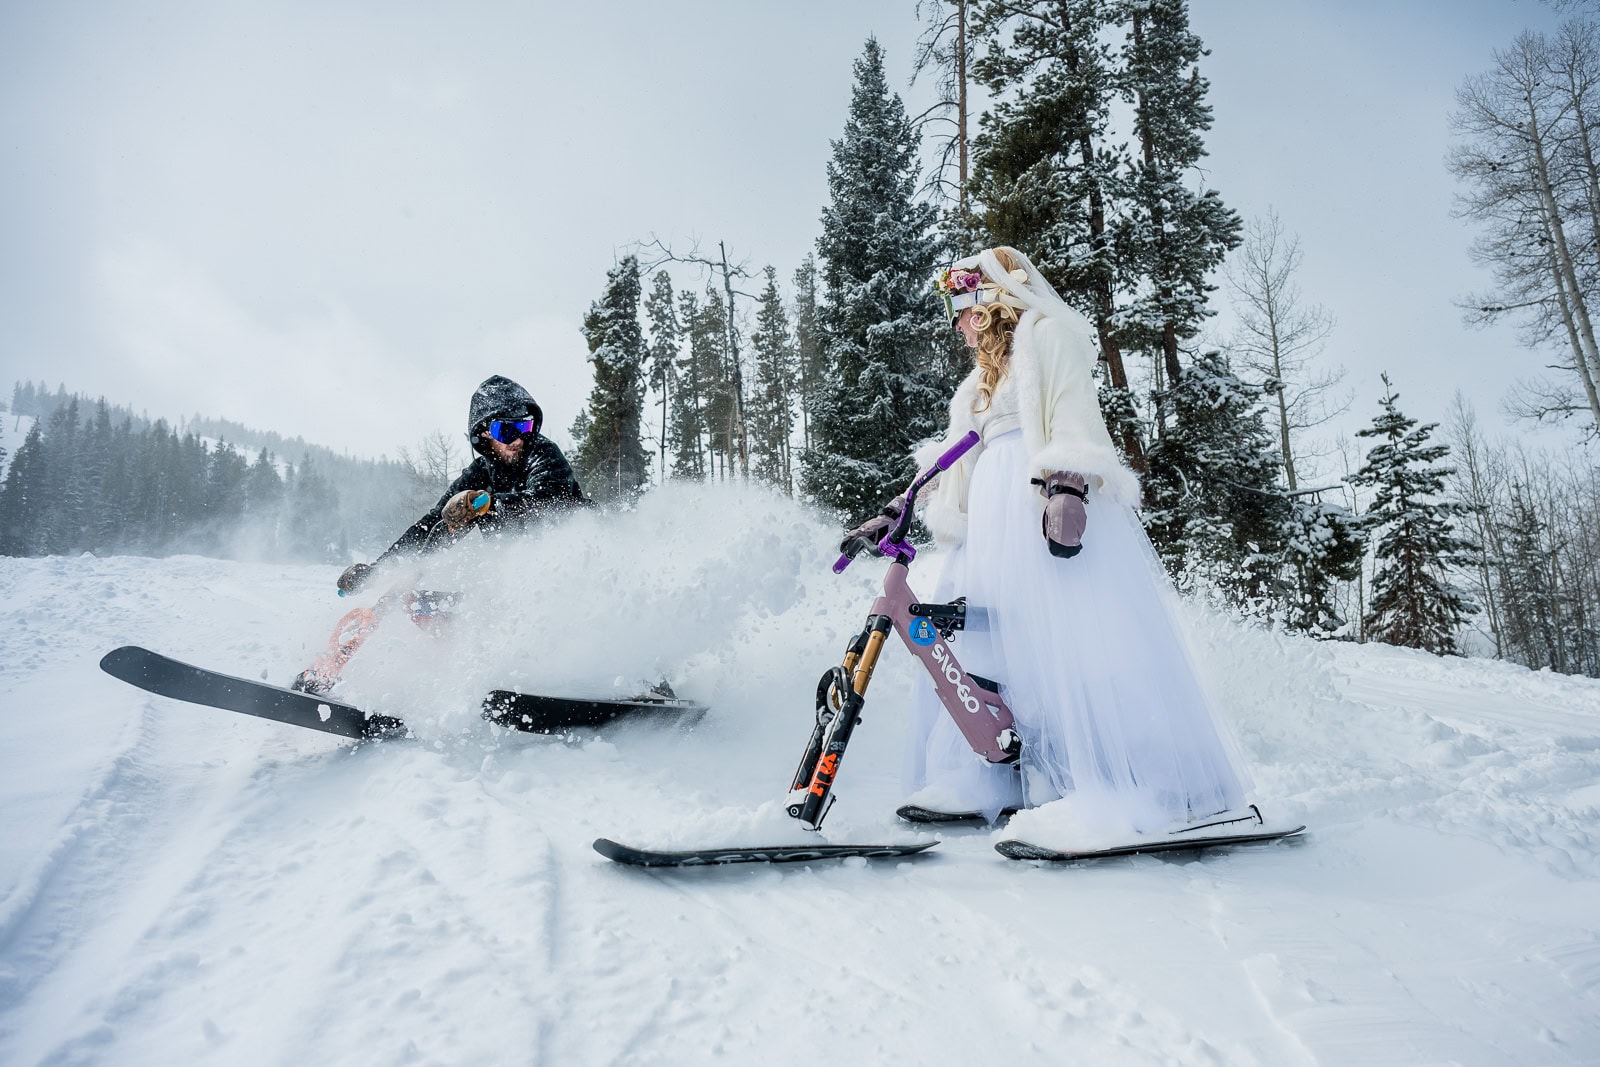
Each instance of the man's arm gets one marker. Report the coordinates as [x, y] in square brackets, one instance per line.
[415, 538]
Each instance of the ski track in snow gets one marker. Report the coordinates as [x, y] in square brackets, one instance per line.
[179, 884]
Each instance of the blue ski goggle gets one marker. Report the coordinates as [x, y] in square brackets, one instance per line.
[508, 430]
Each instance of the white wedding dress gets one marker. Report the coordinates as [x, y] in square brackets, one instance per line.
[1089, 655]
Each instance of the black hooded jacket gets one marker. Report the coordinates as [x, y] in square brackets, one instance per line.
[541, 483]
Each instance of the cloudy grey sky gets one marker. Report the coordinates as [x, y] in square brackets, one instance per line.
[334, 219]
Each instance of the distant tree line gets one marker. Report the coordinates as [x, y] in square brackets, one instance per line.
[1534, 518]
[93, 477]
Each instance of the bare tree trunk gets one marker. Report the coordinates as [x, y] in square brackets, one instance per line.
[961, 103]
[1565, 304]
[666, 389]
[1283, 436]
[1563, 255]
[737, 414]
[1474, 489]
[1579, 58]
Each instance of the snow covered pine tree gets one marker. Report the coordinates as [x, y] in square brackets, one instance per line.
[1414, 602]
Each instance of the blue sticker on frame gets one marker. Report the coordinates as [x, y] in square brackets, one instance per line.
[922, 632]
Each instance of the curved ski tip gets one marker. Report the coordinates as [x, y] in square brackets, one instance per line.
[118, 655]
[610, 849]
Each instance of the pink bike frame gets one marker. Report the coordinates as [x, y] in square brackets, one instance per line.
[976, 705]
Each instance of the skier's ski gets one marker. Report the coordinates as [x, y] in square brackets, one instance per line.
[169, 678]
[521, 711]
[545, 715]
[918, 814]
[1242, 828]
[707, 857]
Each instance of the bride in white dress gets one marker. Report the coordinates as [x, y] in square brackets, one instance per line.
[1118, 734]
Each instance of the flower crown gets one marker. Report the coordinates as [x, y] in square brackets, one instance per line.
[961, 287]
[957, 288]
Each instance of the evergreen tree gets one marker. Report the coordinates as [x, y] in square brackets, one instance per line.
[96, 456]
[263, 486]
[313, 515]
[1531, 600]
[610, 459]
[1414, 602]
[883, 392]
[1216, 511]
[1171, 237]
[810, 366]
[709, 351]
[662, 313]
[770, 410]
[1325, 545]
[23, 498]
[115, 491]
[1047, 175]
[226, 475]
[67, 507]
[688, 412]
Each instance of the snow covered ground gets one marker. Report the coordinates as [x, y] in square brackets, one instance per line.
[182, 885]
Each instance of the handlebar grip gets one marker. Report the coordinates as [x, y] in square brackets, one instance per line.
[956, 451]
[856, 546]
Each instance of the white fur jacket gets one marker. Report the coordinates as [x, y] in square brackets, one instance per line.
[1053, 361]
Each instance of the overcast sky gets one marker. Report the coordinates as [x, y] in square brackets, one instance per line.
[335, 219]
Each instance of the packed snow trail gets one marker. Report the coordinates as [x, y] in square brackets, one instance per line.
[179, 884]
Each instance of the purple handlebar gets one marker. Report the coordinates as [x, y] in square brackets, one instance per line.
[956, 451]
[943, 463]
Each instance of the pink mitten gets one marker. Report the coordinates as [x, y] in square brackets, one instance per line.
[1064, 516]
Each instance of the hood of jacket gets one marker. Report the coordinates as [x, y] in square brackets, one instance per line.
[501, 398]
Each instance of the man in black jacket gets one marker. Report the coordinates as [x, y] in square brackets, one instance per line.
[518, 475]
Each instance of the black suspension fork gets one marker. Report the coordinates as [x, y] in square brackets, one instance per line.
[841, 692]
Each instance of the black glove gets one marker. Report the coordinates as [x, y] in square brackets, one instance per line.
[1064, 515]
[354, 577]
[875, 529]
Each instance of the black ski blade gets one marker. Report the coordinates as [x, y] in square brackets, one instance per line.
[918, 814]
[543, 715]
[1025, 850]
[168, 677]
[709, 857]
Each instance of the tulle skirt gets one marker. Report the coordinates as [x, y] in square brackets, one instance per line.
[1089, 655]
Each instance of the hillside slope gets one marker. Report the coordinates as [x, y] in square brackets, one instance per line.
[184, 885]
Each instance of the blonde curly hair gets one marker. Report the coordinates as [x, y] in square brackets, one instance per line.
[995, 325]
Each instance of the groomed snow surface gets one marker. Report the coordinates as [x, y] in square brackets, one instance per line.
[184, 885]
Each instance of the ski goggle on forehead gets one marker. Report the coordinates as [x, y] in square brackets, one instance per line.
[507, 430]
[955, 304]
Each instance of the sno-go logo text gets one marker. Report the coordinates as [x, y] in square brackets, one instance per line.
[952, 674]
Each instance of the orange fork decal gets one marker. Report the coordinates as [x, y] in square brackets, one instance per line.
[827, 767]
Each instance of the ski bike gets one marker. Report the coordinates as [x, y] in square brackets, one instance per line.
[974, 702]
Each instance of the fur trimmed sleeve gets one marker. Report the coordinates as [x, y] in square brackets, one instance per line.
[943, 505]
[1074, 431]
